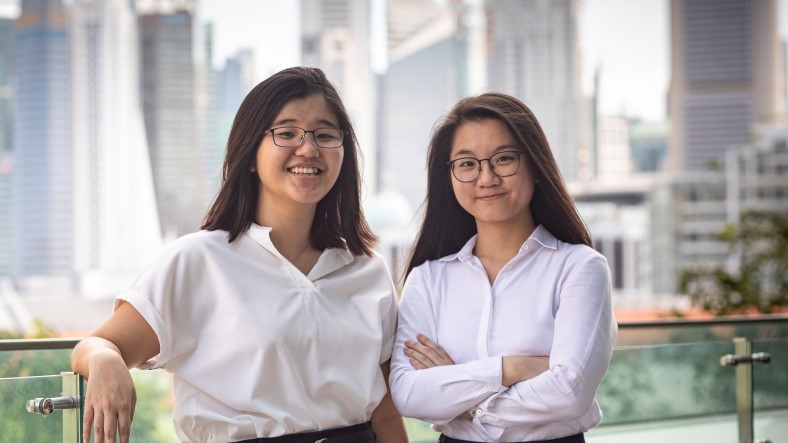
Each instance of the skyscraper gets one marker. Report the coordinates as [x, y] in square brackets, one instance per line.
[421, 84]
[533, 55]
[116, 226]
[168, 84]
[336, 36]
[727, 76]
[6, 139]
[42, 142]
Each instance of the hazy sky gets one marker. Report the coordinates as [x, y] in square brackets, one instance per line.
[626, 39]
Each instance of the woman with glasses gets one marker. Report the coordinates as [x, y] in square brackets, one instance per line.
[276, 320]
[505, 326]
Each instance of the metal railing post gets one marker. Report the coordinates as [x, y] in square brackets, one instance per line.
[743, 359]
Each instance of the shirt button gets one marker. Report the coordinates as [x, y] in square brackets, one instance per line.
[477, 412]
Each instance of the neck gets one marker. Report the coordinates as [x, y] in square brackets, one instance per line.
[502, 241]
[290, 227]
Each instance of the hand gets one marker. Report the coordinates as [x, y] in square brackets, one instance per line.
[517, 368]
[110, 399]
[425, 353]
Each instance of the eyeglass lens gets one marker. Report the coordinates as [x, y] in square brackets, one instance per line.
[293, 137]
[503, 164]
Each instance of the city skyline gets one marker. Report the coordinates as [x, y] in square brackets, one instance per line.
[635, 70]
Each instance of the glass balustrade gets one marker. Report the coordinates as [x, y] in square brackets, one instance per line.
[665, 383]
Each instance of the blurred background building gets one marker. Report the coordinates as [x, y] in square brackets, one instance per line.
[114, 117]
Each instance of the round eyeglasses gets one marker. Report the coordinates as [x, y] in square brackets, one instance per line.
[468, 169]
[293, 137]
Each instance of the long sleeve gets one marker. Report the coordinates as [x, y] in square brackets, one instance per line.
[441, 393]
[584, 335]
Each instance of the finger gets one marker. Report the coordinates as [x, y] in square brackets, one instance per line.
[98, 427]
[110, 426]
[438, 349]
[428, 352]
[416, 364]
[87, 423]
[421, 358]
[124, 426]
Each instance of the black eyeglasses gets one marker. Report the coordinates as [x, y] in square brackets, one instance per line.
[468, 169]
[293, 137]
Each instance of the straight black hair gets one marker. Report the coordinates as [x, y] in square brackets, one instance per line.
[338, 222]
[446, 226]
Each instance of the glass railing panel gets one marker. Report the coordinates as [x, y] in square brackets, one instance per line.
[648, 383]
[34, 362]
[19, 425]
[770, 382]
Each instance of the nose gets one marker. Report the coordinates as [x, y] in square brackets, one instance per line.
[487, 177]
[308, 148]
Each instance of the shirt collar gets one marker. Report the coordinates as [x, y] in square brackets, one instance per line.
[540, 235]
[330, 260]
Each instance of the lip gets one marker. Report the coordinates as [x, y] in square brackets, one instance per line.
[487, 198]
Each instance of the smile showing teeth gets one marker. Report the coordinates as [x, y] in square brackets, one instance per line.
[305, 171]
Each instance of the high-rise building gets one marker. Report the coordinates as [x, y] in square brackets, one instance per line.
[7, 29]
[613, 160]
[116, 226]
[534, 56]
[727, 77]
[337, 37]
[421, 84]
[6, 215]
[43, 221]
[170, 110]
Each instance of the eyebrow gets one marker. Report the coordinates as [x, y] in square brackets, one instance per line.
[290, 121]
[469, 153]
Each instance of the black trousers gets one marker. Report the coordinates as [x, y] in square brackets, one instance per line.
[577, 438]
[361, 433]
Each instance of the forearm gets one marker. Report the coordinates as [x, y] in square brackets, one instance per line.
[442, 393]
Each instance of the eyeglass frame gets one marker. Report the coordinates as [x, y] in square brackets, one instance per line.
[342, 132]
[450, 164]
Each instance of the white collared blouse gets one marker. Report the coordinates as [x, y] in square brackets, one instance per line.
[552, 298]
[259, 349]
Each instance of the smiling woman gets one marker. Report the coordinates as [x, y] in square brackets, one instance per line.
[244, 313]
[506, 327]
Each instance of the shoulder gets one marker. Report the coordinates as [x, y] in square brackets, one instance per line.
[194, 245]
[583, 260]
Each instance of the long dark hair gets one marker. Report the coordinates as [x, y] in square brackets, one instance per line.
[446, 226]
[338, 222]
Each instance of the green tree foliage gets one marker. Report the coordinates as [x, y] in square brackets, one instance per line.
[761, 283]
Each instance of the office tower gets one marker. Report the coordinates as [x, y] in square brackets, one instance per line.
[6, 139]
[727, 77]
[337, 37]
[6, 214]
[422, 83]
[213, 144]
[116, 227]
[168, 85]
[613, 160]
[43, 221]
[533, 55]
[7, 30]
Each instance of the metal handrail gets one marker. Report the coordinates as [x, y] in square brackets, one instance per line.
[37, 344]
[68, 343]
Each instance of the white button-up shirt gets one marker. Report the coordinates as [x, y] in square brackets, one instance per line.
[257, 348]
[551, 299]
